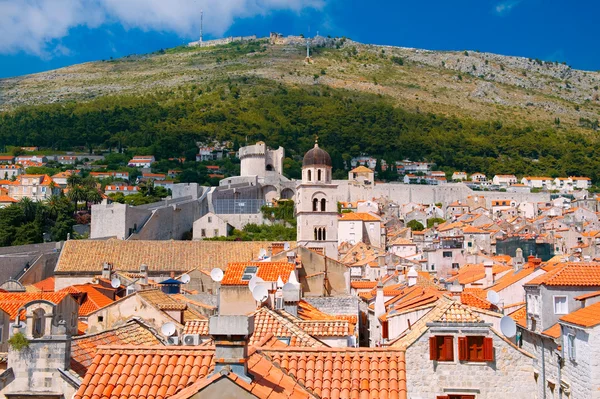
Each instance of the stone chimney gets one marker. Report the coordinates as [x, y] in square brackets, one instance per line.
[411, 276]
[231, 334]
[488, 266]
[291, 257]
[144, 273]
[106, 270]
[518, 260]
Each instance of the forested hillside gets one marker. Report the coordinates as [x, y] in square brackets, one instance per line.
[224, 101]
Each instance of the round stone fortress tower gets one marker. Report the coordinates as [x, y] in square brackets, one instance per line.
[258, 160]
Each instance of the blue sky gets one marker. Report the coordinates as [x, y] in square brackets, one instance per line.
[38, 35]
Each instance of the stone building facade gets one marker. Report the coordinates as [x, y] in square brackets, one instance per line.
[316, 206]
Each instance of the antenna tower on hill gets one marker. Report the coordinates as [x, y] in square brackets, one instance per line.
[201, 22]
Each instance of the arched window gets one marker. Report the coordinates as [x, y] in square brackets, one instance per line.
[323, 203]
[324, 234]
[38, 323]
[315, 234]
[319, 175]
[315, 205]
[309, 173]
[319, 238]
[270, 168]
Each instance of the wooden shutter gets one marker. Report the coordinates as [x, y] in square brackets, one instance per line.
[433, 349]
[488, 349]
[448, 349]
[463, 348]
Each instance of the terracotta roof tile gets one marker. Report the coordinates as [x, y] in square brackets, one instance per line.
[88, 256]
[475, 301]
[196, 327]
[511, 278]
[92, 299]
[11, 302]
[553, 331]
[571, 274]
[306, 311]
[267, 321]
[45, 285]
[363, 284]
[363, 216]
[268, 271]
[586, 317]
[520, 316]
[471, 273]
[83, 349]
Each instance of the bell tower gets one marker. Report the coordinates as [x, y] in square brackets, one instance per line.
[316, 207]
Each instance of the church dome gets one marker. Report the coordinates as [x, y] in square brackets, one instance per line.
[316, 156]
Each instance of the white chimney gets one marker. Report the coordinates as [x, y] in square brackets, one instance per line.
[488, 265]
[379, 301]
[412, 276]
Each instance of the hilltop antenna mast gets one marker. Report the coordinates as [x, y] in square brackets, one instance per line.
[201, 22]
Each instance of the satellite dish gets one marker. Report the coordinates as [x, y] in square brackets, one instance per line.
[216, 274]
[508, 327]
[168, 329]
[262, 254]
[115, 283]
[185, 278]
[254, 282]
[260, 293]
[286, 246]
[493, 297]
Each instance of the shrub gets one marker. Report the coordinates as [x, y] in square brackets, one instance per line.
[18, 342]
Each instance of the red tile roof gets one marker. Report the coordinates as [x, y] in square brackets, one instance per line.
[520, 316]
[45, 285]
[363, 216]
[471, 273]
[268, 271]
[196, 327]
[83, 349]
[92, 299]
[267, 321]
[11, 302]
[571, 274]
[363, 284]
[306, 311]
[475, 301]
[553, 331]
[586, 317]
[87, 256]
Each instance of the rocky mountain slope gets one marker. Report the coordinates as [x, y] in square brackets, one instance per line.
[469, 84]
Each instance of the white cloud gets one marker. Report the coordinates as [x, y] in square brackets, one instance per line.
[32, 25]
[505, 7]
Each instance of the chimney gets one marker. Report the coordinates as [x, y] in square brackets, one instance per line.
[144, 273]
[379, 301]
[277, 247]
[106, 270]
[488, 266]
[291, 257]
[231, 334]
[411, 276]
[518, 260]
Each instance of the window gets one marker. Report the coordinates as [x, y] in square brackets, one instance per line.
[100, 319]
[571, 346]
[319, 175]
[455, 266]
[309, 174]
[470, 244]
[323, 204]
[447, 254]
[216, 232]
[441, 348]
[475, 349]
[210, 219]
[315, 205]
[560, 305]
[203, 232]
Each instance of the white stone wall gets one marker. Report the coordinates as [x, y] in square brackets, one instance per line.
[543, 349]
[509, 376]
[582, 374]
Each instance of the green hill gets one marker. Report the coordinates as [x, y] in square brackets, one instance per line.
[463, 110]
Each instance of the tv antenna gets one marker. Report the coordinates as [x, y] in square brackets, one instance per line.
[201, 23]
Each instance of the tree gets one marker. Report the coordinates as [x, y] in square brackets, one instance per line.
[62, 228]
[77, 194]
[92, 196]
[431, 222]
[415, 225]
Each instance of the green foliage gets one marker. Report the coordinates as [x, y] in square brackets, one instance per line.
[169, 124]
[415, 225]
[254, 232]
[18, 342]
[283, 211]
[431, 222]
[397, 60]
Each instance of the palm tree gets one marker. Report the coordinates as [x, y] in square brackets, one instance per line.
[92, 196]
[76, 194]
[73, 180]
[53, 204]
[28, 207]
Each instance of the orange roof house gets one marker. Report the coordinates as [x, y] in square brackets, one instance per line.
[276, 372]
[236, 273]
